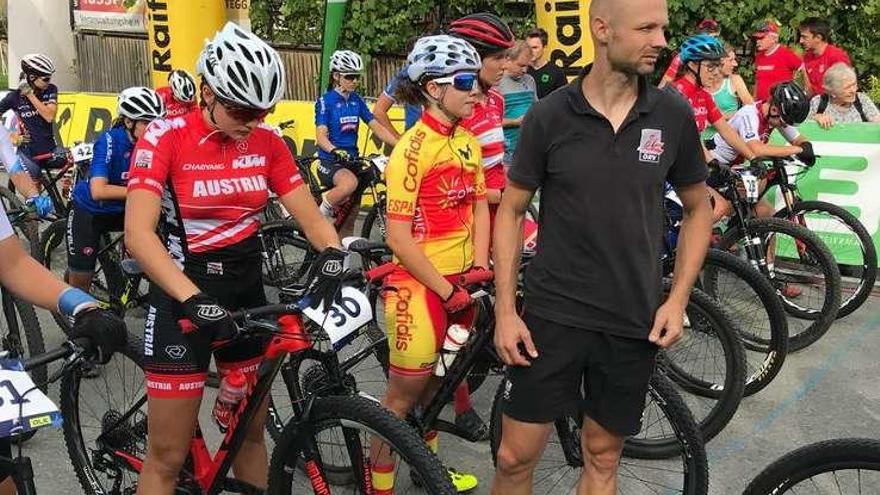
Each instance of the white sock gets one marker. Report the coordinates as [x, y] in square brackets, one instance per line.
[326, 209]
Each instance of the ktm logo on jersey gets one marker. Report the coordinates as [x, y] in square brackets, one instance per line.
[249, 161]
[222, 187]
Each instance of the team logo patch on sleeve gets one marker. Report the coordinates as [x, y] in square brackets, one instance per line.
[143, 159]
[651, 146]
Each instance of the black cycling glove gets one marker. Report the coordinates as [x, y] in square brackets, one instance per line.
[207, 315]
[326, 276]
[341, 154]
[104, 330]
[807, 155]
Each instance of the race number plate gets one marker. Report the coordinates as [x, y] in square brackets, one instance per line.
[750, 184]
[23, 407]
[381, 162]
[344, 318]
[81, 152]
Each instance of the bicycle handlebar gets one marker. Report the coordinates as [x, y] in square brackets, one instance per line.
[61, 352]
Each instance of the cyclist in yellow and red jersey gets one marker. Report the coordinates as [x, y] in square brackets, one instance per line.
[492, 39]
[204, 179]
[438, 228]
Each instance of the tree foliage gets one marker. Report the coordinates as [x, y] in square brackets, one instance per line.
[385, 26]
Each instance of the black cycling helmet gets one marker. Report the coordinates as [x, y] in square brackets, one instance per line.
[701, 47]
[792, 102]
[484, 31]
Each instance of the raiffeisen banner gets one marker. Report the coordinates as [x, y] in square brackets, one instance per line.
[567, 22]
[176, 33]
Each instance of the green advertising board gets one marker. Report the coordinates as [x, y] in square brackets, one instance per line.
[847, 174]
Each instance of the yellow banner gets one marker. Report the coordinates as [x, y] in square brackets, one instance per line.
[177, 30]
[567, 23]
[83, 116]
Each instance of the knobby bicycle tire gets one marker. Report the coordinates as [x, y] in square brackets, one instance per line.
[866, 243]
[816, 459]
[689, 446]
[287, 254]
[348, 411]
[29, 227]
[766, 349]
[821, 319]
[711, 325]
[80, 453]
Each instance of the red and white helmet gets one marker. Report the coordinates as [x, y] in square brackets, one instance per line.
[242, 69]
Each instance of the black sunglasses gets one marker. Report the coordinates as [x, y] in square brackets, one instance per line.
[351, 77]
[243, 114]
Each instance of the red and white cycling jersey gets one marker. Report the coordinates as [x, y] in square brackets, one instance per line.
[751, 125]
[213, 188]
[485, 124]
[705, 109]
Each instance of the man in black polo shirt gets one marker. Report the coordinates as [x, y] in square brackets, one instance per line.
[548, 76]
[600, 150]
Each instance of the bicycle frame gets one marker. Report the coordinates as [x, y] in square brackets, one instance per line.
[209, 471]
[368, 178]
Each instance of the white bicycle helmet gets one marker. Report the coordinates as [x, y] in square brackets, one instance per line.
[441, 55]
[242, 69]
[37, 63]
[182, 86]
[140, 103]
[346, 62]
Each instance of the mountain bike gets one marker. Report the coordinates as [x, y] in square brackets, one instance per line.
[844, 466]
[117, 284]
[74, 354]
[747, 296]
[106, 437]
[796, 261]
[67, 165]
[850, 242]
[686, 470]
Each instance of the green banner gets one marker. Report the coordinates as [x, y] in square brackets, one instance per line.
[334, 14]
[847, 175]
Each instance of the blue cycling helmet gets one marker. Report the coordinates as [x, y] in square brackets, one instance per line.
[701, 47]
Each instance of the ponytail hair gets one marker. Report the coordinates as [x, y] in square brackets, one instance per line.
[410, 93]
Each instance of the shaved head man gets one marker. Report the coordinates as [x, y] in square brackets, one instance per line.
[600, 150]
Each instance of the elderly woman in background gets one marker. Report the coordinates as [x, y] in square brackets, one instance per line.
[842, 103]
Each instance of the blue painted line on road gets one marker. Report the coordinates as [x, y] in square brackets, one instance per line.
[842, 350]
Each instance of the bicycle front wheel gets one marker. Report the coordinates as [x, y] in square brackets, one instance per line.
[850, 244]
[841, 467]
[354, 422]
[803, 272]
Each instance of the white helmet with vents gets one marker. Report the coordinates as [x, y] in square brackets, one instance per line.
[140, 103]
[441, 55]
[37, 63]
[242, 69]
[182, 86]
[346, 62]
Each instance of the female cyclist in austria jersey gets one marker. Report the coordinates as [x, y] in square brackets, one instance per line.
[99, 198]
[438, 227]
[209, 174]
[338, 114]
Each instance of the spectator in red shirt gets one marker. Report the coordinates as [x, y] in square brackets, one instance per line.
[706, 26]
[774, 63]
[819, 53]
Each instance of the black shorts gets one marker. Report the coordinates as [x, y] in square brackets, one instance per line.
[580, 372]
[6, 454]
[326, 170]
[84, 230]
[177, 363]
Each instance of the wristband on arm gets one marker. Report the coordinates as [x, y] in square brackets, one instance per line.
[72, 301]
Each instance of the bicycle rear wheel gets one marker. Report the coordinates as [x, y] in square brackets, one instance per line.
[842, 467]
[751, 301]
[353, 421]
[287, 254]
[92, 407]
[805, 274]
[685, 471]
[850, 244]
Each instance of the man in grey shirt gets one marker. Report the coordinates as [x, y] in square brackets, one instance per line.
[518, 89]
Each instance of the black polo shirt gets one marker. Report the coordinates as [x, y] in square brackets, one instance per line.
[601, 217]
[548, 78]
